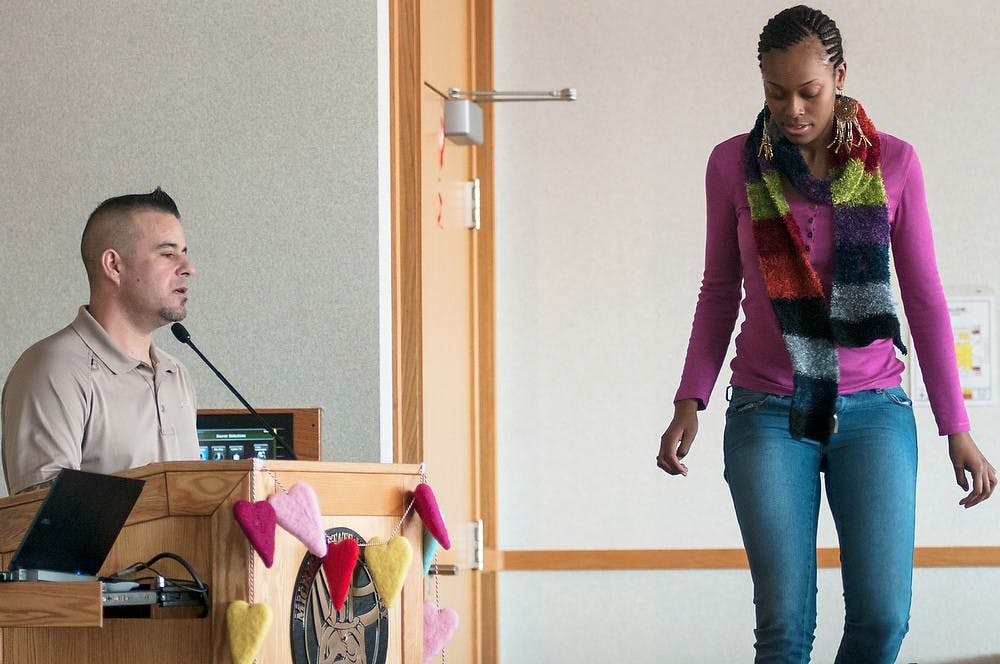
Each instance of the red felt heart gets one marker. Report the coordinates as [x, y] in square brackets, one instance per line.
[258, 522]
[338, 564]
[427, 508]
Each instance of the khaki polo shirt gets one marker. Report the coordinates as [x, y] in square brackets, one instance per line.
[75, 400]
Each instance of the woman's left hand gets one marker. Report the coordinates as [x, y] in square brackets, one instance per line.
[966, 458]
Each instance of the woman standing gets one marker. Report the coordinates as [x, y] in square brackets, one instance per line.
[802, 212]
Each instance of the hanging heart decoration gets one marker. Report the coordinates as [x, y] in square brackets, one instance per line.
[388, 563]
[257, 521]
[298, 512]
[439, 626]
[427, 507]
[338, 566]
[247, 625]
[430, 549]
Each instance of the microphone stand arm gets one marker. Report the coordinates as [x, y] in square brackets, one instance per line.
[267, 427]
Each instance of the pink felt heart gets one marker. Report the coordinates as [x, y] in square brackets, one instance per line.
[388, 564]
[247, 625]
[427, 508]
[257, 521]
[439, 627]
[298, 512]
[338, 564]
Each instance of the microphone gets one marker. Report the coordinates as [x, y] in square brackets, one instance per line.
[183, 336]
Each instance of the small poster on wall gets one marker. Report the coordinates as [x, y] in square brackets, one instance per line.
[972, 325]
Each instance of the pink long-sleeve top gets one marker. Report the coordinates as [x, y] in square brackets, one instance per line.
[762, 363]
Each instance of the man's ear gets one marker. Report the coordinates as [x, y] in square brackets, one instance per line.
[112, 265]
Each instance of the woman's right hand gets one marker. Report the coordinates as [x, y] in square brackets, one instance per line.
[677, 439]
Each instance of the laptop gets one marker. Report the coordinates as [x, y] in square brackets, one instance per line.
[75, 527]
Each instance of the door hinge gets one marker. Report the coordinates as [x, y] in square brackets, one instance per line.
[478, 558]
[472, 223]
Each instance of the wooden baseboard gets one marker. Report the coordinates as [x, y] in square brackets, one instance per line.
[638, 559]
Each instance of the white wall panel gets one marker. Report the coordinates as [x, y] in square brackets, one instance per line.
[600, 239]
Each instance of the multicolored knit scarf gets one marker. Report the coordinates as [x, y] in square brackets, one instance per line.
[860, 308]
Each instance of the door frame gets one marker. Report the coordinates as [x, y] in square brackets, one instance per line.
[405, 90]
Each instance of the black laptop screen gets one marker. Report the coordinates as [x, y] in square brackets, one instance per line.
[77, 523]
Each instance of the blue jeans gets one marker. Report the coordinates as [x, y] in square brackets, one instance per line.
[871, 467]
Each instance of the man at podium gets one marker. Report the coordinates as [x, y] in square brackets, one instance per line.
[98, 395]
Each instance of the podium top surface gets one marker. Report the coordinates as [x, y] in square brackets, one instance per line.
[199, 488]
[247, 465]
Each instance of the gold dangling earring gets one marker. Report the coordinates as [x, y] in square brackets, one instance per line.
[766, 149]
[845, 124]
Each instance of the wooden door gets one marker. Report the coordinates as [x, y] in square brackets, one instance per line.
[443, 297]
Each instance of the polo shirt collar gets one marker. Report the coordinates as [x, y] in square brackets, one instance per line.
[162, 361]
[105, 348]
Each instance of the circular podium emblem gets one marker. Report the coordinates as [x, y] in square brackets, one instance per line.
[357, 634]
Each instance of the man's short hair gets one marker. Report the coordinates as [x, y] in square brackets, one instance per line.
[110, 226]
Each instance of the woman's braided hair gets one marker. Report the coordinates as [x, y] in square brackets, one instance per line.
[795, 24]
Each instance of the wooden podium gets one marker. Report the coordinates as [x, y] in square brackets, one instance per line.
[186, 508]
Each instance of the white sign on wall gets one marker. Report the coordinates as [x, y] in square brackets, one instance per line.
[972, 325]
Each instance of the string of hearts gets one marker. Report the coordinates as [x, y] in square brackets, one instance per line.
[298, 512]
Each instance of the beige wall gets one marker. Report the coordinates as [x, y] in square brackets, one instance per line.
[600, 235]
[263, 121]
